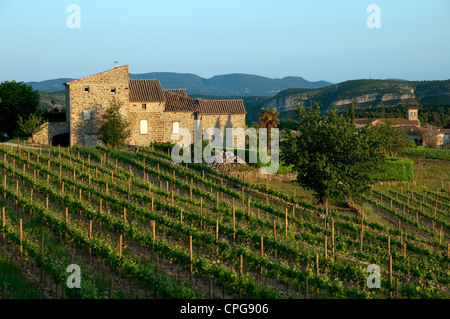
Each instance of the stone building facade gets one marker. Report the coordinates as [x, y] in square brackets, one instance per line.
[155, 114]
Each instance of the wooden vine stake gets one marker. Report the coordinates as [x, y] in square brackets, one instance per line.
[332, 237]
[286, 223]
[248, 210]
[361, 241]
[190, 259]
[3, 224]
[67, 219]
[262, 255]
[217, 201]
[275, 236]
[153, 223]
[201, 212]
[217, 236]
[234, 226]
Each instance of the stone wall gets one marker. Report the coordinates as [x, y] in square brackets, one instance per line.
[223, 121]
[50, 130]
[95, 101]
[253, 174]
[159, 124]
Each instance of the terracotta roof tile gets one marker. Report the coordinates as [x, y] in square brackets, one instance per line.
[182, 92]
[221, 107]
[179, 103]
[97, 74]
[397, 121]
[146, 91]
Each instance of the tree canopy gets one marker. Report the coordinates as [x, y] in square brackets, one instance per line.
[114, 128]
[17, 99]
[32, 125]
[333, 157]
[394, 138]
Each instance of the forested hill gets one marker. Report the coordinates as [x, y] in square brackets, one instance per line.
[367, 94]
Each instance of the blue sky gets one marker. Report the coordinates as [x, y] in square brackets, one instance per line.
[316, 39]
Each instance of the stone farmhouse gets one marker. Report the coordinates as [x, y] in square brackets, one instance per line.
[154, 113]
[427, 135]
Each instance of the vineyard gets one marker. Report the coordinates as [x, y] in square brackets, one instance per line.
[140, 226]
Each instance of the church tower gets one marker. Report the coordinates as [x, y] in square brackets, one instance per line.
[412, 114]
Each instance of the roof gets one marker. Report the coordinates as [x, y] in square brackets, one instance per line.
[97, 74]
[413, 130]
[221, 107]
[179, 103]
[146, 91]
[397, 121]
[182, 92]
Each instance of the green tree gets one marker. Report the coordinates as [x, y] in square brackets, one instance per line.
[114, 128]
[394, 138]
[333, 157]
[18, 99]
[351, 112]
[32, 125]
[268, 118]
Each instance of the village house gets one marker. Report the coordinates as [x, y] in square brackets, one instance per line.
[154, 113]
[426, 135]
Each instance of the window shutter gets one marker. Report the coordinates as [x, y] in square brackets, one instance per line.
[143, 126]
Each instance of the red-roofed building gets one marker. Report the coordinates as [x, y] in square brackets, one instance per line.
[421, 135]
[154, 113]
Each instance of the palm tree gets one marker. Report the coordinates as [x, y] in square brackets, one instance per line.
[268, 118]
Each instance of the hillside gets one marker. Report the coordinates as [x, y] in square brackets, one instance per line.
[223, 85]
[366, 93]
[155, 229]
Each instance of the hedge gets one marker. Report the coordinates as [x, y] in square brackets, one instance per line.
[400, 169]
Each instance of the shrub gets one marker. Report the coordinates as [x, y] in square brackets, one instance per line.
[401, 169]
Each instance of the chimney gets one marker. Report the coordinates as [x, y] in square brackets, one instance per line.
[116, 64]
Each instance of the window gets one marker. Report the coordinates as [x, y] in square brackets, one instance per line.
[86, 115]
[144, 106]
[86, 89]
[113, 91]
[143, 126]
[176, 127]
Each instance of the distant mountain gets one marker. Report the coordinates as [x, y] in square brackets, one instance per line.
[220, 85]
[50, 85]
[367, 94]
